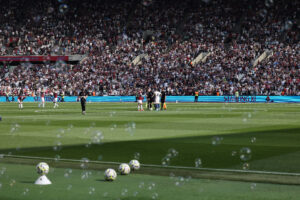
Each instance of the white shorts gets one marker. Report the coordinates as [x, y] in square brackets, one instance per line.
[140, 101]
[43, 99]
[54, 100]
[20, 102]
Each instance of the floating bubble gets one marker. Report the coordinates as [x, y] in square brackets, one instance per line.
[263, 13]
[124, 192]
[216, 140]
[12, 182]
[25, 192]
[105, 194]
[84, 163]
[135, 193]
[136, 155]
[130, 128]
[245, 154]
[69, 187]
[253, 186]
[100, 157]
[233, 153]
[173, 152]
[85, 175]
[141, 185]
[253, 139]
[50, 10]
[57, 158]
[113, 113]
[154, 196]
[2, 171]
[113, 127]
[91, 190]
[63, 8]
[97, 137]
[198, 162]
[246, 166]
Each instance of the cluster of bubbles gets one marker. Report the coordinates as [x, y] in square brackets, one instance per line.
[198, 162]
[130, 128]
[113, 127]
[245, 156]
[97, 137]
[216, 140]
[85, 175]
[112, 114]
[253, 186]
[14, 128]
[84, 163]
[12, 182]
[172, 153]
[136, 156]
[91, 190]
[253, 139]
[2, 171]
[25, 192]
[68, 173]
[56, 158]
[124, 192]
[269, 3]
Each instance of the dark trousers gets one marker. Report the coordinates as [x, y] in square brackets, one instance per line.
[162, 105]
[82, 106]
[149, 104]
[7, 98]
[196, 98]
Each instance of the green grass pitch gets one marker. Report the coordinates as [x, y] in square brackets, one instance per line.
[116, 132]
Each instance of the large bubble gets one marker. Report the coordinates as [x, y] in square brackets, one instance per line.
[245, 154]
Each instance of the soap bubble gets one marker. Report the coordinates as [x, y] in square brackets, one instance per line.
[130, 128]
[269, 3]
[245, 154]
[136, 155]
[84, 163]
[216, 140]
[253, 139]
[154, 196]
[246, 166]
[69, 187]
[173, 152]
[198, 162]
[12, 182]
[253, 186]
[57, 158]
[97, 137]
[124, 192]
[141, 185]
[91, 190]
[25, 192]
[113, 127]
[233, 153]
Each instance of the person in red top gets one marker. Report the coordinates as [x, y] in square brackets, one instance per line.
[55, 94]
[20, 100]
[140, 99]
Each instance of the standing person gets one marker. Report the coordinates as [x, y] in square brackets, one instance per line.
[55, 94]
[7, 96]
[42, 95]
[196, 96]
[157, 95]
[140, 99]
[162, 99]
[20, 100]
[83, 96]
[149, 99]
[237, 96]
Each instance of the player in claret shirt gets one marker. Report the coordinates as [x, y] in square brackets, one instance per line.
[21, 97]
[55, 95]
[140, 99]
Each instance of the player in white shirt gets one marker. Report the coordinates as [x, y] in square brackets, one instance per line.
[42, 96]
[157, 95]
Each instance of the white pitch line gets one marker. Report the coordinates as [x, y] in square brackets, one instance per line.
[167, 167]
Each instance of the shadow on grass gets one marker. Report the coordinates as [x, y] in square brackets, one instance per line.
[269, 144]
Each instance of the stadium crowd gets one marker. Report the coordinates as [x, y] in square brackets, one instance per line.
[170, 33]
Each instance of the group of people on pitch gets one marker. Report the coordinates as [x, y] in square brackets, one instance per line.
[155, 98]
